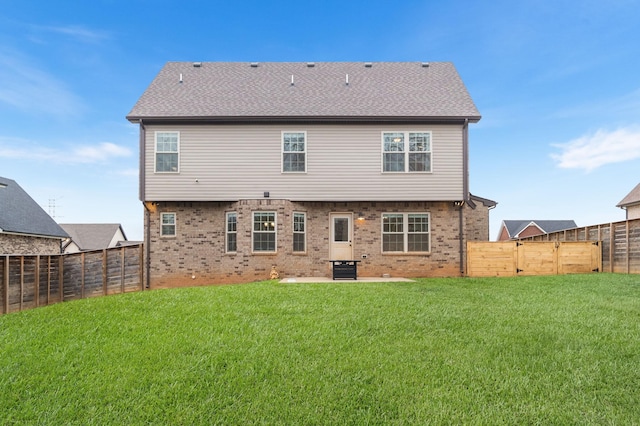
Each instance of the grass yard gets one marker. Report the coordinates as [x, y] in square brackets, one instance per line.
[526, 350]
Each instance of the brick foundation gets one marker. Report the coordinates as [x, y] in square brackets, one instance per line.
[196, 256]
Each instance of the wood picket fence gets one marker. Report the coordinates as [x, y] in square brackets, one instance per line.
[30, 281]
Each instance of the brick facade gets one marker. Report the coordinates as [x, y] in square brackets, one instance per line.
[22, 244]
[196, 255]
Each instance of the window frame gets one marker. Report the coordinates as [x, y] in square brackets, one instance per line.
[156, 152]
[175, 224]
[405, 233]
[303, 232]
[274, 224]
[228, 232]
[283, 152]
[406, 134]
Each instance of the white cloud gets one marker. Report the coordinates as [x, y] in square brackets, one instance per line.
[77, 32]
[87, 154]
[591, 151]
[24, 86]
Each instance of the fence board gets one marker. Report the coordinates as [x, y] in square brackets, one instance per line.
[490, 259]
[28, 281]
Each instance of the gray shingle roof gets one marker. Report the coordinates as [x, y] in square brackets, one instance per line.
[632, 198]
[514, 227]
[20, 214]
[92, 236]
[218, 90]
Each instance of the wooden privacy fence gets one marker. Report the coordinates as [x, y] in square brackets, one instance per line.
[29, 281]
[620, 243]
[509, 258]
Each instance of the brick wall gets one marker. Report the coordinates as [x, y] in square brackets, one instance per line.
[21, 244]
[196, 256]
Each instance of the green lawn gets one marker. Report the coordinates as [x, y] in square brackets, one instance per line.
[543, 350]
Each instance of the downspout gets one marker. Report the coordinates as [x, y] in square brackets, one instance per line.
[147, 213]
[465, 189]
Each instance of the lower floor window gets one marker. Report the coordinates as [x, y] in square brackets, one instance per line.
[405, 232]
[264, 231]
[299, 232]
[168, 224]
[232, 232]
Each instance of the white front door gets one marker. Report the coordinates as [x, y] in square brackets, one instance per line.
[341, 236]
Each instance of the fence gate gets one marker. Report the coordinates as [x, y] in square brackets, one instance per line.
[509, 258]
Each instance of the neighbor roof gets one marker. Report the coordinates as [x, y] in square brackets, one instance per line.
[92, 236]
[515, 227]
[20, 214]
[323, 90]
[632, 198]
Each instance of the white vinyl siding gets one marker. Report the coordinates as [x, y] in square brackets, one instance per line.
[346, 165]
[167, 156]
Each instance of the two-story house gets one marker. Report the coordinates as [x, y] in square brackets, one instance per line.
[247, 166]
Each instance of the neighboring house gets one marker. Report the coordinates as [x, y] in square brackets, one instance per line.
[249, 166]
[25, 228]
[515, 229]
[92, 236]
[631, 203]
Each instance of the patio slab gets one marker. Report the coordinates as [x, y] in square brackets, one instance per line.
[297, 280]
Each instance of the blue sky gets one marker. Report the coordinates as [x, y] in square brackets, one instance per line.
[557, 84]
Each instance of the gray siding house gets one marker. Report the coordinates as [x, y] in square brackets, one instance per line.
[249, 166]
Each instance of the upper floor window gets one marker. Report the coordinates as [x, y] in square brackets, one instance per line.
[406, 152]
[264, 231]
[232, 232]
[294, 152]
[299, 232]
[405, 232]
[167, 152]
[168, 224]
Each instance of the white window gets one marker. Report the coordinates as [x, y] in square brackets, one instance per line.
[299, 232]
[264, 232]
[406, 152]
[405, 232]
[294, 152]
[232, 232]
[168, 224]
[167, 152]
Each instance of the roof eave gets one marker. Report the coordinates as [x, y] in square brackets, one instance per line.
[303, 119]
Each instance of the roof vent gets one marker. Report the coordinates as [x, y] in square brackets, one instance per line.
[254, 65]
[197, 64]
[425, 65]
[311, 64]
[368, 64]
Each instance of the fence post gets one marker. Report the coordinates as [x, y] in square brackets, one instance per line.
[21, 280]
[122, 269]
[628, 248]
[612, 246]
[37, 279]
[61, 276]
[104, 272]
[141, 274]
[6, 284]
